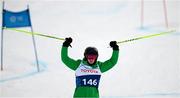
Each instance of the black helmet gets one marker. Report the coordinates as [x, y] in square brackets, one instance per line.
[91, 50]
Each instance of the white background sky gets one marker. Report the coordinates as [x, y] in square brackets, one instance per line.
[146, 67]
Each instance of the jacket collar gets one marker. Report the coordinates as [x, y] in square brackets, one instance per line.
[86, 63]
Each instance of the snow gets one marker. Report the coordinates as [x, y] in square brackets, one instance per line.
[147, 68]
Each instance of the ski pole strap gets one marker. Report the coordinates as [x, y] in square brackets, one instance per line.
[34, 33]
[147, 36]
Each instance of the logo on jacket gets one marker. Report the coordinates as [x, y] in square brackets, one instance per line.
[89, 71]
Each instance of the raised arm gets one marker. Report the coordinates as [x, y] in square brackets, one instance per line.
[105, 66]
[71, 63]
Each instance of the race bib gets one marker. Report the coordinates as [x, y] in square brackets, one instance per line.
[88, 80]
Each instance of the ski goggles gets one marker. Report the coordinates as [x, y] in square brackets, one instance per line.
[91, 56]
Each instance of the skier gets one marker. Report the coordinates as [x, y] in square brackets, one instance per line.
[88, 70]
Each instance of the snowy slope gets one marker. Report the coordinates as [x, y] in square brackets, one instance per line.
[147, 68]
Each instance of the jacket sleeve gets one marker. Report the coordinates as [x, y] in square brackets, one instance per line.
[69, 62]
[105, 66]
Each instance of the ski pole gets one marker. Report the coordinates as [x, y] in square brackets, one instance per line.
[35, 33]
[144, 37]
